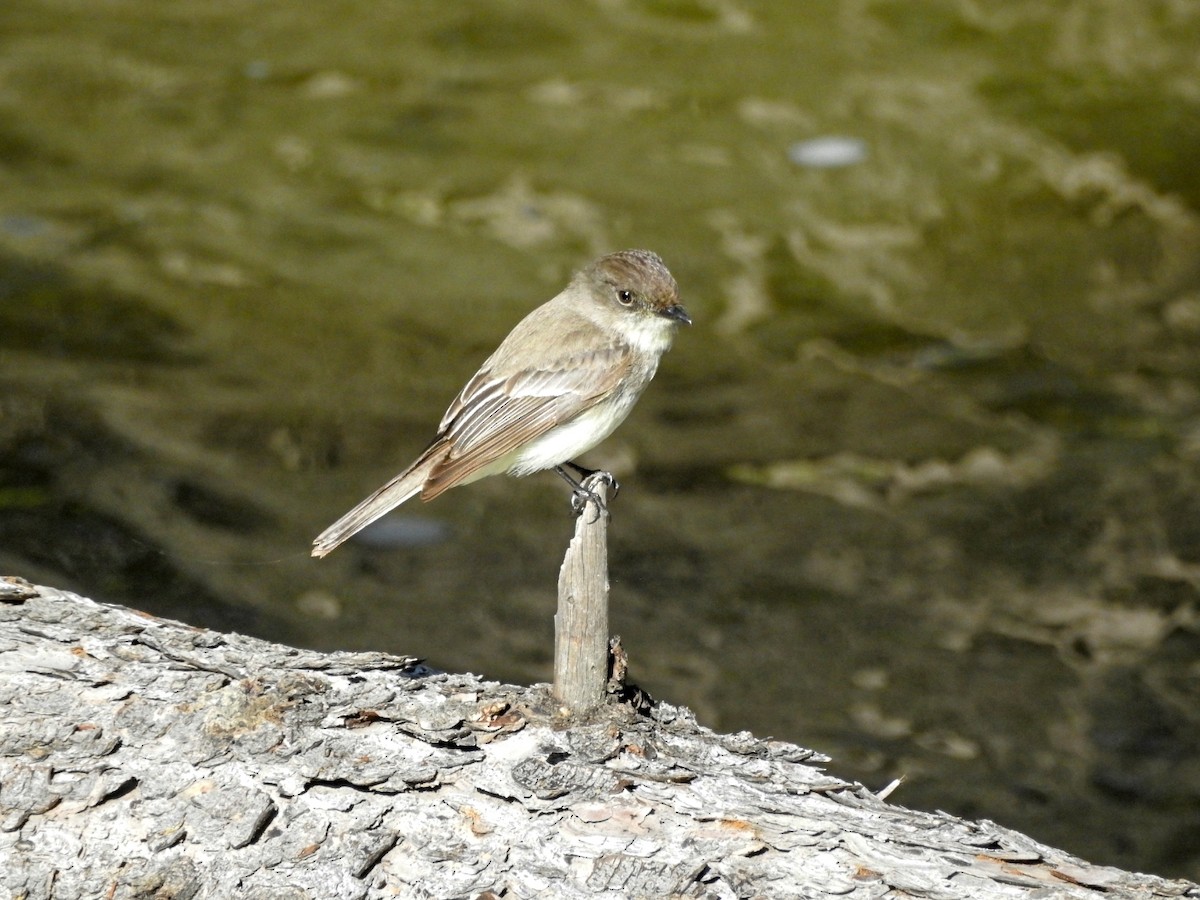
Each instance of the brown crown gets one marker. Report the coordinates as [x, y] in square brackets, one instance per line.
[640, 271]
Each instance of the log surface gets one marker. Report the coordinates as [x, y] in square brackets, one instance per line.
[144, 758]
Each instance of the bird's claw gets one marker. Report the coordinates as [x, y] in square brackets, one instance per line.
[584, 494]
[579, 501]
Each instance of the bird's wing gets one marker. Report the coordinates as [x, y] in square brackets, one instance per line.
[497, 413]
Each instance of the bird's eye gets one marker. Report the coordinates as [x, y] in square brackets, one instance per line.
[625, 298]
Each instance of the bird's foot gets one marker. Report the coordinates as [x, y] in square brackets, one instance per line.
[586, 493]
[583, 491]
[587, 474]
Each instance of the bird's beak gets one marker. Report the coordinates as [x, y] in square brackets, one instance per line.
[678, 313]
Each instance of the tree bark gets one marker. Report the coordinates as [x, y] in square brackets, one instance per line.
[142, 758]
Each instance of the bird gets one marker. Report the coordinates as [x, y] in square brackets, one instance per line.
[561, 381]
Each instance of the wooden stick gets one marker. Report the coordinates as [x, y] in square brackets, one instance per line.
[581, 623]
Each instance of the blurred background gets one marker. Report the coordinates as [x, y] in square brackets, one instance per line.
[920, 489]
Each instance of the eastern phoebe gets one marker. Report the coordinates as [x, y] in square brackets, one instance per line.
[558, 385]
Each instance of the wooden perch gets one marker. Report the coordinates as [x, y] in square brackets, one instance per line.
[144, 758]
[581, 623]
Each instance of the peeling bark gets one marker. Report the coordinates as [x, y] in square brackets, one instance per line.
[144, 758]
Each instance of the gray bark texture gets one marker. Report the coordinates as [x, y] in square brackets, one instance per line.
[144, 758]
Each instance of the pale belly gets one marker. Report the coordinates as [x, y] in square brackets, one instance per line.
[571, 439]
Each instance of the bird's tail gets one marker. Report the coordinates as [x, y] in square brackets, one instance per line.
[383, 501]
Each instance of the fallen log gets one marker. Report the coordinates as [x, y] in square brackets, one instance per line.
[140, 757]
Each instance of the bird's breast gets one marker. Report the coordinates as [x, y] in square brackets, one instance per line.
[578, 435]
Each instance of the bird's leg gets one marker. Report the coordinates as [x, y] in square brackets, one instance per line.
[581, 493]
[606, 477]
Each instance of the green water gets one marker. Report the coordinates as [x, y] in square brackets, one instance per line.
[919, 489]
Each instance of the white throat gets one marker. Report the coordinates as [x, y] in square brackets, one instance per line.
[649, 334]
